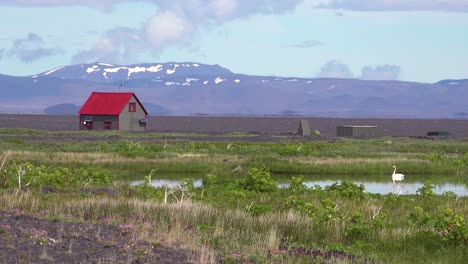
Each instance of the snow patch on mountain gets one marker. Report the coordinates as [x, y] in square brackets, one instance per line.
[155, 69]
[105, 64]
[169, 71]
[54, 70]
[135, 70]
[114, 70]
[92, 69]
[219, 80]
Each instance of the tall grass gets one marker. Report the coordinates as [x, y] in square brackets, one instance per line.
[237, 235]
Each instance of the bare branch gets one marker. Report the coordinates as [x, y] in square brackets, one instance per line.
[4, 160]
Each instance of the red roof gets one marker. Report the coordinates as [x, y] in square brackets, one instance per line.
[100, 103]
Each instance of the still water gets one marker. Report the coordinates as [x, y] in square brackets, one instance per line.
[371, 187]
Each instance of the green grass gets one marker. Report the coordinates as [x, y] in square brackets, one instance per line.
[238, 215]
[228, 224]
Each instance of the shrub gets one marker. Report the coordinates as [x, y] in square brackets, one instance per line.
[209, 180]
[419, 218]
[451, 226]
[347, 189]
[296, 185]
[257, 210]
[259, 180]
[427, 190]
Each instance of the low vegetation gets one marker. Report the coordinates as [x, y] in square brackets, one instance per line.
[239, 215]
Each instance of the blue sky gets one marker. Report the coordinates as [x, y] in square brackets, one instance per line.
[410, 40]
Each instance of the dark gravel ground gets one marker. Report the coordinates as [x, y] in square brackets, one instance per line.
[31, 239]
[267, 126]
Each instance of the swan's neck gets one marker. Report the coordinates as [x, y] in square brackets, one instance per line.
[394, 170]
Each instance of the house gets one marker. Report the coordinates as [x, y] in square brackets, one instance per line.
[113, 111]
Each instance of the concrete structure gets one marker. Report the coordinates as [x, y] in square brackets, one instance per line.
[304, 129]
[113, 111]
[358, 131]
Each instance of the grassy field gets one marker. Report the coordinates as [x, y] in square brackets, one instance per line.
[240, 215]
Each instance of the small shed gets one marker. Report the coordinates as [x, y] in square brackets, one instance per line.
[358, 131]
[113, 111]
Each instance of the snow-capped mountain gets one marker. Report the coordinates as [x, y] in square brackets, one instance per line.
[105, 72]
[187, 88]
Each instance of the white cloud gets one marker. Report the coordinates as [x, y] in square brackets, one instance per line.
[165, 28]
[105, 5]
[120, 45]
[380, 72]
[224, 8]
[30, 49]
[174, 24]
[335, 69]
[398, 5]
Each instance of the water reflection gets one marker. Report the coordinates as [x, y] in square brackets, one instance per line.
[395, 188]
[371, 187]
[158, 183]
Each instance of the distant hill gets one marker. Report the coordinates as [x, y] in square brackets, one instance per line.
[189, 88]
[62, 109]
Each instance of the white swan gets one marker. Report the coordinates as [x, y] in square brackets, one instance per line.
[397, 176]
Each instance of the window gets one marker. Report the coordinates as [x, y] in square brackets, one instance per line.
[107, 125]
[143, 122]
[132, 107]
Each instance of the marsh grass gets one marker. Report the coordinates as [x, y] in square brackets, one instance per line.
[234, 234]
[228, 222]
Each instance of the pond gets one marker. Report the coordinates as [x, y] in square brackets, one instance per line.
[395, 188]
[370, 186]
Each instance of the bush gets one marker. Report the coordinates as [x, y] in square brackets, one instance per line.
[259, 180]
[347, 189]
[427, 190]
[296, 185]
[452, 226]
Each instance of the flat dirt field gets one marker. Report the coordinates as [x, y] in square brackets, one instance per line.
[217, 125]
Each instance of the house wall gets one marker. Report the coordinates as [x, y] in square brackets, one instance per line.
[98, 121]
[130, 121]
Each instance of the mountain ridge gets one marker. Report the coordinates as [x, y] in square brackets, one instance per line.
[189, 88]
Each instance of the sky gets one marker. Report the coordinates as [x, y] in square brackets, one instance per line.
[408, 40]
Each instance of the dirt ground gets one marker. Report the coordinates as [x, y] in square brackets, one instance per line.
[273, 127]
[32, 239]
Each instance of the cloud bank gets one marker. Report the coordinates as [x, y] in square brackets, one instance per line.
[30, 49]
[336, 69]
[398, 5]
[222, 8]
[380, 72]
[174, 24]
